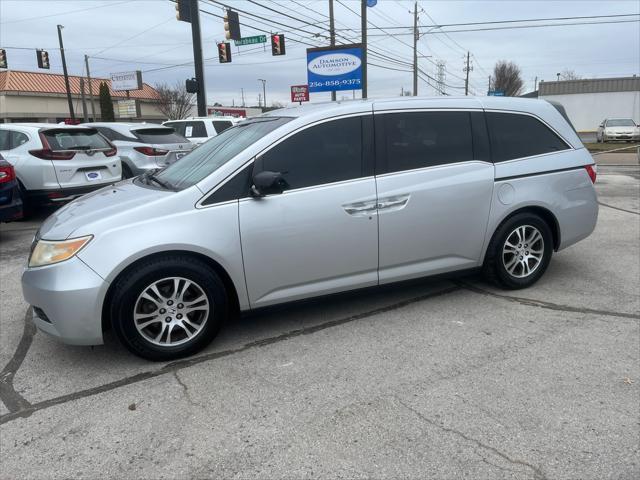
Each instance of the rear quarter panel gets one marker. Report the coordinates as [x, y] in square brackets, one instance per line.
[556, 182]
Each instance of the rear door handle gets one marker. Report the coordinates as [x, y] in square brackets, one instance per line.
[393, 203]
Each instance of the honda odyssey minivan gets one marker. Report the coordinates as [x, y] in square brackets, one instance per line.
[309, 201]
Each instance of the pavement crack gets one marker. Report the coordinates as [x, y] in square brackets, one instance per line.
[12, 399]
[537, 472]
[185, 389]
[29, 409]
[530, 302]
[618, 208]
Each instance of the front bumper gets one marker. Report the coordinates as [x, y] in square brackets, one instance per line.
[67, 300]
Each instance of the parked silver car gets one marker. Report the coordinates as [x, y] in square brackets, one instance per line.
[57, 163]
[618, 129]
[143, 146]
[309, 201]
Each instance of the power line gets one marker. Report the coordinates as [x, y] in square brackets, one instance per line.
[136, 35]
[62, 13]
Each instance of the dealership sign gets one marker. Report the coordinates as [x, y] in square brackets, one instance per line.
[334, 68]
[299, 93]
[126, 81]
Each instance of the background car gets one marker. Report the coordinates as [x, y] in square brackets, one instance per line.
[200, 129]
[618, 129]
[143, 146]
[57, 163]
[10, 200]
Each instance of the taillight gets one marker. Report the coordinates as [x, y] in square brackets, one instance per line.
[48, 154]
[7, 174]
[150, 151]
[111, 152]
[592, 171]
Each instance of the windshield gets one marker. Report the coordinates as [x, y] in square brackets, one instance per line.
[620, 122]
[214, 153]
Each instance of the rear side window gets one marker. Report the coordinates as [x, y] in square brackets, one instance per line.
[194, 129]
[325, 153]
[517, 136]
[423, 139]
[70, 139]
[10, 139]
[159, 135]
[221, 125]
[177, 126]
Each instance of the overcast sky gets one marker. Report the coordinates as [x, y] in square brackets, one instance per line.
[144, 34]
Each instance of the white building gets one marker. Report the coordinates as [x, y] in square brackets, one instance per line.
[590, 101]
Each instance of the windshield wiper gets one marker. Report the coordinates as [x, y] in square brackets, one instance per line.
[151, 177]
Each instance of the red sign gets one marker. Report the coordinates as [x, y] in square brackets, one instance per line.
[300, 93]
[227, 112]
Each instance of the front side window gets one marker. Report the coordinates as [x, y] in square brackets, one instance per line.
[211, 155]
[325, 153]
[424, 139]
[517, 136]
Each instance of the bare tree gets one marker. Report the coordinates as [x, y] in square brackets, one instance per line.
[567, 74]
[507, 78]
[174, 101]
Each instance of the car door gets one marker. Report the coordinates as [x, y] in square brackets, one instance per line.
[435, 181]
[321, 234]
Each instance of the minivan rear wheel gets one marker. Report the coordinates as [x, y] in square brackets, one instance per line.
[519, 252]
[168, 307]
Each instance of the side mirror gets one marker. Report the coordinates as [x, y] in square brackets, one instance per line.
[268, 183]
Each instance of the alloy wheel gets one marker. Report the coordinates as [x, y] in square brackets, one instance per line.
[171, 311]
[523, 251]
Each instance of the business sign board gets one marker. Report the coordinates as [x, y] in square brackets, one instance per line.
[331, 69]
[251, 40]
[227, 112]
[127, 108]
[126, 81]
[299, 93]
[495, 93]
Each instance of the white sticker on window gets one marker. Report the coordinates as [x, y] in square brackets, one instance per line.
[188, 131]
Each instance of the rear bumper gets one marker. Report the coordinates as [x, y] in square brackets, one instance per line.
[67, 301]
[61, 195]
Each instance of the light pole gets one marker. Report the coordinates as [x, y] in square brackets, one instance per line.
[558, 76]
[264, 91]
[66, 74]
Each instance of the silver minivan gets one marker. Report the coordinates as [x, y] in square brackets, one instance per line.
[309, 201]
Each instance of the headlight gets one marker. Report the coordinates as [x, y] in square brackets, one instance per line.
[47, 252]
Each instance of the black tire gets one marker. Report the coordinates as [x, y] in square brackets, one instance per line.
[27, 205]
[132, 284]
[126, 171]
[494, 268]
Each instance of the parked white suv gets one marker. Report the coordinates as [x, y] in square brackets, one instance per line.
[143, 146]
[201, 129]
[57, 163]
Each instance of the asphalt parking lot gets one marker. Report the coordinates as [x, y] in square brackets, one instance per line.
[445, 378]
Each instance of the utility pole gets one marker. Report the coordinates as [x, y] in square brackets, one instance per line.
[264, 91]
[242, 92]
[66, 74]
[363, 26]
[415, 49]
[489, 87]
[260, 100]
[332, 37]
[201, 96]
[441, 76]
[467, 69]
[84, 101]
[535, 84]
[93, 107]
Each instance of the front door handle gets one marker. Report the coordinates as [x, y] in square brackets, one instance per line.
[361, 209]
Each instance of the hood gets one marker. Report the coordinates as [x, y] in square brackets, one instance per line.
[629, 129]
[102, 205]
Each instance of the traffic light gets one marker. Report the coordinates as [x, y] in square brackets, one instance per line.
[232, 25]
[224, 52]
[277, 44]
[43, 58]
[192, 85]
[183, 10]
[3, 58]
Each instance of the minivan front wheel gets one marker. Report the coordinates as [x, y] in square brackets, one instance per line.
[168, 307]
[519, 252]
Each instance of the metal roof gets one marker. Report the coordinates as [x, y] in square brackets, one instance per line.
[590, 85]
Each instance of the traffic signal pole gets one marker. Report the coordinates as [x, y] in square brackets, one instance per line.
[197, 57]
[332, 37]
[93, 107]
[363, 19]
[66, 74]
